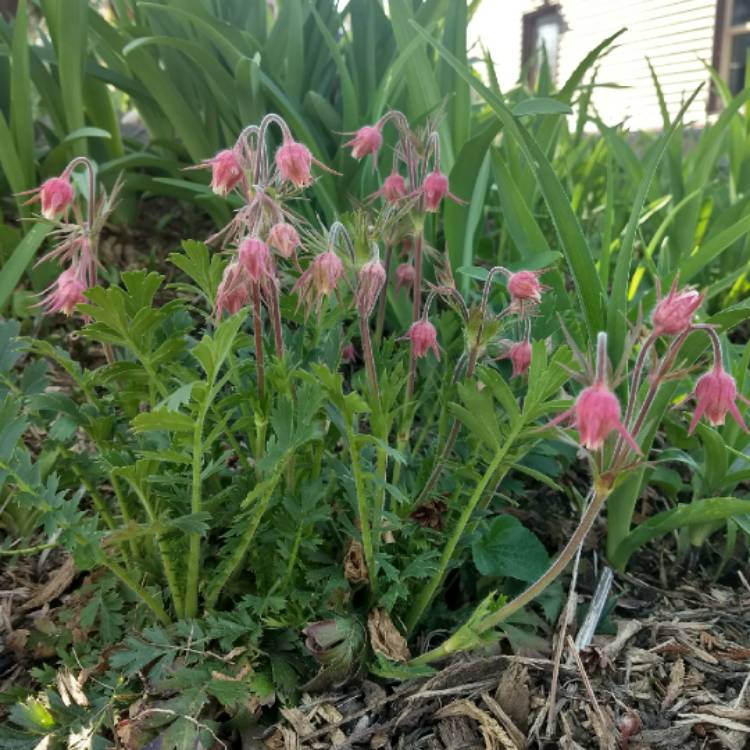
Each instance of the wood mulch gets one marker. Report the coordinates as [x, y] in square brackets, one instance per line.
[676, 675]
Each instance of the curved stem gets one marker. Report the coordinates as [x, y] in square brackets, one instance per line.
[258, 330]
[380, 321]
[372, 374]
[469, 637]
[427, 593]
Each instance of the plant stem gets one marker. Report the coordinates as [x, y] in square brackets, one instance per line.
[194, 551]
[461, 640]
[427, 593]
[416, 308]
[225, 572]
[372, 374]
[258, 329]
[139, 591]
[166, 560]
[380, 321]
[362, 508]
[276, 321]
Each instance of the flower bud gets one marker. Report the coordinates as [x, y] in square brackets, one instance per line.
[349, 354]
[394, 187]
[284, 238]
[716, 393]
[56, 196]
[367, 140]
[434, 189]
[405, 275]
[423, 337]
[64, 293]
[597, 414]
[524, 286]
[673, 314]
[233, 292]
[327, 270]
[371, 281]
[226, 171]
[520, 357]
[294, 162]
[255, 259]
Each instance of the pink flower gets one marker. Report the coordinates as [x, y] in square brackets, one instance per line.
[226, 171]
[524, 286]
[56, 195]
[423, 337]
[284, 238]
[367, 140]
[434, 189]
[294, 162]
[673, 314]
[349, 354]
[405, 275]
[597, 413]
[394, 188]
[255, 259]
[716, 393]
[371, 281]
[320, 278]
[65, 293]
[233, 292]
[520, 357]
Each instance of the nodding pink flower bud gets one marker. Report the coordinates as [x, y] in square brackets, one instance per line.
[716, 393]
[524, 286]
[255, 259]
[394, 188]
[64, 293]
[349, 354]
[520, 357]
[405, 275]
[319, 279]
[294, 162]
[423, 337]
[367, 140]
[284, 238]
[233, 292]
[434, 189]
[673, 314]
[370, 283]
[226, 171]
[597, 414]
[56, 195]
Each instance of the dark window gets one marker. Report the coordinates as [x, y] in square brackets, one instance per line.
[541, 35]
[731, 46]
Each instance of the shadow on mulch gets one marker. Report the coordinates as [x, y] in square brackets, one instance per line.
[676, 675]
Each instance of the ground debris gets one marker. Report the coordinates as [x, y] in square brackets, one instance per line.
[676, 676]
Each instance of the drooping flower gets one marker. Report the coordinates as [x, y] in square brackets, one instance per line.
[597, 414]
[370, 284]
[226, 171]
[255, 259]
[294, 162]
[434, 189]
[423, 337]
[367, 140]
[233, 292]
[716, 393]
[520, 357]
[524, 287]
[673, 314]
[405, 275]
[394, 188]
[320, 278]
[56, 196]
[349, 354]
[65, 292]
[284, 238]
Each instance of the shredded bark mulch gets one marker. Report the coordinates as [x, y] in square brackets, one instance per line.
[675, 675]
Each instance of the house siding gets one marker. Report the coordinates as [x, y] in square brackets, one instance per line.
[675, 35]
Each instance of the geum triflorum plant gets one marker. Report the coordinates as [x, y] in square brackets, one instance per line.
[248, 464]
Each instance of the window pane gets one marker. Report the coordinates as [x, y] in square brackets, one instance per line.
[740, 47]
[548, 36]
[740, 12]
